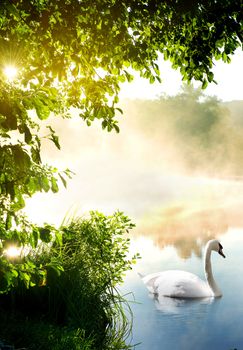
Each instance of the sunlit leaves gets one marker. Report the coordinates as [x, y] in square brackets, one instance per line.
[54, 185]
[21, 170]
[53, 137]
[105, 246]
[98, 243]
[23, 268]
[66, 43]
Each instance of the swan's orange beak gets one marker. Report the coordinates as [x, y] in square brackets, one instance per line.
[221, 253]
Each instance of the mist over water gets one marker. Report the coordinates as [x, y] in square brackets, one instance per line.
[184, 152]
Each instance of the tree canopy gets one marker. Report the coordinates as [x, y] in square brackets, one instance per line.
[77, 52]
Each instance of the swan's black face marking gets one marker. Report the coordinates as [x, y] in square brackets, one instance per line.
[220, 251]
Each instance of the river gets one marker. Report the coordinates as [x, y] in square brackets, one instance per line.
[174, 237]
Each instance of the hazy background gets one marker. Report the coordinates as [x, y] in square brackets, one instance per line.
[176, 162]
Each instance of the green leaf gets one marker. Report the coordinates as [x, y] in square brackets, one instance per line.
[204, 84]
[104, 124]
[8, 222]
[55, 140]
[53, 137]
[152, 79]
[33, 185]
[42, 110]
[34, 237]
[54, 185]
[210, 77]
[136, 32]
[64, 182]
[45, 234]
[44, 183]
[119, 110]
[21, 157]
[27, 134]
[19, 202]
[10, 189]
[35, 154]
[116, 127]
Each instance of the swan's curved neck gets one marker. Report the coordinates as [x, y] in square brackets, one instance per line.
[209, 274]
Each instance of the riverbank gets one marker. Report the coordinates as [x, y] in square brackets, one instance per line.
[76, 306]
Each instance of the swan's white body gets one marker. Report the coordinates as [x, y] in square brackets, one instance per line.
[182, 284]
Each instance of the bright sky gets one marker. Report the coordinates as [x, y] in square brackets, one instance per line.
[228, 76]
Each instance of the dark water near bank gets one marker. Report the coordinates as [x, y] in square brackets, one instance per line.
[178, 243]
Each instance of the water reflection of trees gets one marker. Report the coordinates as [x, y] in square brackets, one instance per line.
[186, 230]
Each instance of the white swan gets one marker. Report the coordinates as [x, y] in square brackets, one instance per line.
[182, 284]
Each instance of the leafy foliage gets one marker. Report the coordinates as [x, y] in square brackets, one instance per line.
[22, 174]
[76, 53]
[21, 170]
[22, 269]
[82, 296]
[105, 234]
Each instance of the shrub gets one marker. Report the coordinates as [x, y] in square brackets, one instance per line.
[83, 297]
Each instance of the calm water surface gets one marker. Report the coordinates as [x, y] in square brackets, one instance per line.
[167, 323]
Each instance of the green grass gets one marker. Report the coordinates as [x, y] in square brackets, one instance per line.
[37, 335]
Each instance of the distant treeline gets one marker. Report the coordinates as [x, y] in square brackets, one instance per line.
[198, 133]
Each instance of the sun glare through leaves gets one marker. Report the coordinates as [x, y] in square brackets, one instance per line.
[10, 72]
[13, 252]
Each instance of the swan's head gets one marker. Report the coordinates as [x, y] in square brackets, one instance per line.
[215, 245]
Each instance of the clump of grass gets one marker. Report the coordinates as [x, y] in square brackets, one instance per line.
[38, 335]
[79, 307]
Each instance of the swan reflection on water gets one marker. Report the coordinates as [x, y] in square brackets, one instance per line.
[175, 306]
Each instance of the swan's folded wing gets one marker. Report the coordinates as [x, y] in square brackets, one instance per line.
[181, 284]
[150, 281]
